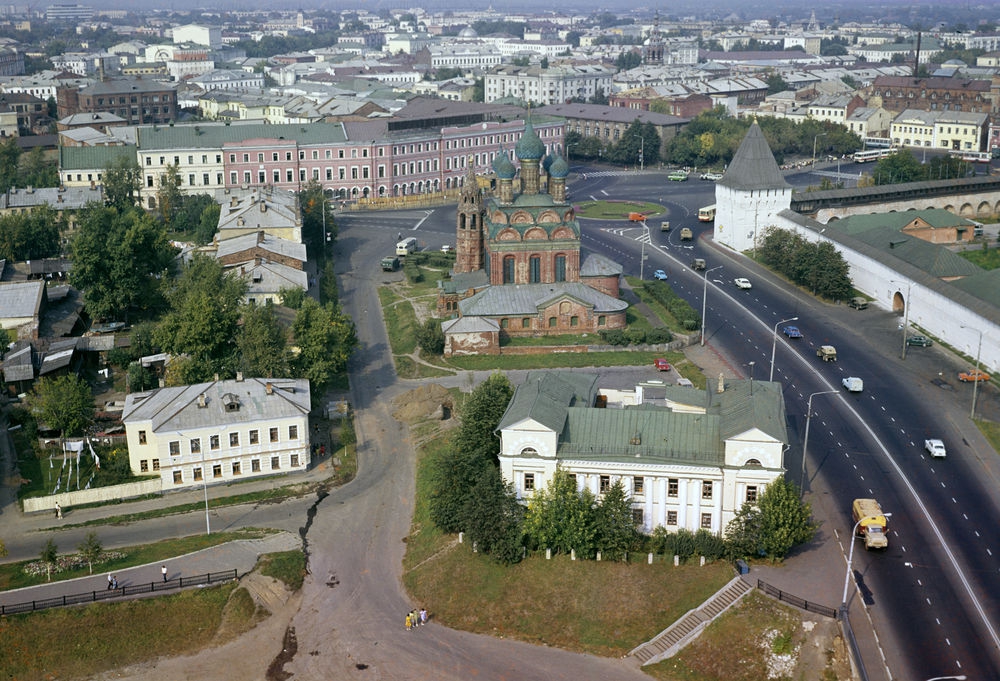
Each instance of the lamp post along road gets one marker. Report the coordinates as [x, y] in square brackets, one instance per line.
[642, 256]
[774, 343]
[805, 440]
[975, 383]
[906, 313]
[704, 300]
[815, 139]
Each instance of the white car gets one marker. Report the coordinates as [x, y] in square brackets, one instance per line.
[742, 283]
[935, 448]
[853, 384]
[713, 177]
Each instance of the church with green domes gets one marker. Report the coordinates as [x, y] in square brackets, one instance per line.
[518, 267]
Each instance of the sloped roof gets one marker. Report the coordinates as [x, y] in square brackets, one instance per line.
[753, 166]
[18, 363]
[21, 299]
[469, 325]
[546, 396]
[525, 299]
[597, 265]
[267, 242]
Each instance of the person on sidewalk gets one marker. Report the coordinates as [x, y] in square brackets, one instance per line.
[163, 571]
[110, 581]
[58, 511]
[423, 616]
[409, 622]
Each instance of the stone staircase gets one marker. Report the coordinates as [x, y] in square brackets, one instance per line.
[672, 639]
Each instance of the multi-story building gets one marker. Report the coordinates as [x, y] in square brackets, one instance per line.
[869, 121]
[952, 130]
[465, 57]
[834, 108]
[138, 101]
[220, 431]
[32, 112]
[197, 34]
[72, 14]
[11, 62]
[900, 93]
[609, 123]
[555, 85]
[688, 458]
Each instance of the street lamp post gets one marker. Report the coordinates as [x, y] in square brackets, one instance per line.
[805, 440]
[642, 148]
[774, 343]
[642, 257]
[204, 486]
[850, 557]
[704, 300]
[975, 383]
[815, 139]
[960, 677]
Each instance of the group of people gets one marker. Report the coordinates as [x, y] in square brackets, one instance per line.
[416, 618]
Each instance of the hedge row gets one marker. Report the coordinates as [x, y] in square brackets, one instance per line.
[681, 310]
[636, 336]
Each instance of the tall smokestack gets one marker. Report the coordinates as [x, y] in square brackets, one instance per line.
[916, 60]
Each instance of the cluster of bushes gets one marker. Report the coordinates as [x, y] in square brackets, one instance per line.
[675, 305]
[636, 336]
[685, 544]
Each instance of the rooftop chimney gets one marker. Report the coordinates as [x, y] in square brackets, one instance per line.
[269, 388]
[202, 403]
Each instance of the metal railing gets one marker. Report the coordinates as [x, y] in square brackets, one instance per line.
[120, 592]
[792, 599]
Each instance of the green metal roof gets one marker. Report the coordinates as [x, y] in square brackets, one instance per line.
[90, 158]
[215, 136]
[545, 396]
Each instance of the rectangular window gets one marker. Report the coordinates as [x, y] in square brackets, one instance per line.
[637, 517]
[156, 464]
[289, 175]
[246, 177]
[260, 158]
[535, 270]
[197, 474]
[272, 434]
[255, 466]
[526, 323]
[706, 521]
[217, 470]
[275, 463]
[175, 448]
[236, 468]
[213, 442]
[178, 477]
[143, 466]
[751, 494]
[196, 445]
[638, 484]
[706, 489]
[234, 439]
[142, 437]
[293, 432]
[204, 179]
[529, 482]
[294, 461]
[276, 174]
[673, 484]
[552, 322]
[605, 484]
[254, 437]
[671, 517]
[302, 174]
[274, 156]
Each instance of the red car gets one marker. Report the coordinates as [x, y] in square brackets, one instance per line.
[661, 364]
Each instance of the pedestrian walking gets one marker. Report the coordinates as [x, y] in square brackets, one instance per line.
[409, 622]
[163, 571]
[414, 618]
[423, 616]
[58, 510]
[114, 583]
[110, 581]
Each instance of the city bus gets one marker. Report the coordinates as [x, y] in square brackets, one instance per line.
[972, 156]
[706, 214]
[872, 154]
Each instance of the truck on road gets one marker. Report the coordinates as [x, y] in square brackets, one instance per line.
[870, 523]
[827, 353]
[686, 234]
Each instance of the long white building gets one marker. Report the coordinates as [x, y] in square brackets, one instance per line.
[554, 85]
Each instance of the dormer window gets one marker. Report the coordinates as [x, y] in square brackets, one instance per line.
[230, 402]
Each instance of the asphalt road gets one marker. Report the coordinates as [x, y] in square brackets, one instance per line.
[934, 594]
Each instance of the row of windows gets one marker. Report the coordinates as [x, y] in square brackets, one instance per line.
[273, 435]
[133, 99]
[639, 487]
[236, 468]
[553, 322]
[190, 159]
[275, 156]
[933, 95]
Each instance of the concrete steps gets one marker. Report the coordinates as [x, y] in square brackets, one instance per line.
[672, 639]
[266, 592]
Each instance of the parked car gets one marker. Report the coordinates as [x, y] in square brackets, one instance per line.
[792, 332]
[678, 176]
[660, 274]
[742, 283]
[858, 303]
[973, 375]
[920, 341]
[447, 248]
[661, 364]
[713, 177]
[935, 448]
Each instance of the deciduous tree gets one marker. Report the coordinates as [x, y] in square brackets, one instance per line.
[616, 531]
[786, 519]
[168, 195]
[561, 518]
[493, 518]
[261, 344]
[90, 548]
[480, 415]
[63, 403]
[326, 338]
[49, 555]
[122, 182]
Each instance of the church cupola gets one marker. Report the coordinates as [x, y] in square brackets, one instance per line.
[529, 152]
[557, 179]
[505, 171]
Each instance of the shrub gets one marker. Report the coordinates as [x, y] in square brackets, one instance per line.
[659, 335]
[614, 337]
[635, 336]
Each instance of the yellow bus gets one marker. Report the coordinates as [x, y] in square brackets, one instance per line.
[706, 214]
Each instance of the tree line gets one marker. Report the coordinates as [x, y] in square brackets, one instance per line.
[467, 493]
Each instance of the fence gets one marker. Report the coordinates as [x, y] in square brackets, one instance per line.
[792, 599]
[94, 495]
[123, 591]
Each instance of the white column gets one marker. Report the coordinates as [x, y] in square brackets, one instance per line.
[717, 490]
[661, 489]
[682, 501]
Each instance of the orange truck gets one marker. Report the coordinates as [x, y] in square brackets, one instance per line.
[637, 217]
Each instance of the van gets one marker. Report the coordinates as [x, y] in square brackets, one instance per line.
[858, 303]
[686, 234]
[637, 217]
[390, 263]
[665, 226]
[827, 353]
[406, 246]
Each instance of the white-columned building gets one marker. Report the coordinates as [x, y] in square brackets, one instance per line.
[688, 458]
[219, 431]
[554, 85]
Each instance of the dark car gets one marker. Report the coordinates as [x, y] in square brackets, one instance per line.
[920, 341]
[792, 332]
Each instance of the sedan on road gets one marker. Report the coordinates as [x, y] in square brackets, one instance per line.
[712, 177]
[678, 176]
[973, 375]
[920, 341]
[792, 332]
[935, 448]
[660, 275]
[742, 283]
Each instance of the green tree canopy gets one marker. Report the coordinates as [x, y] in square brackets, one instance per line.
[90, 549]
[168, 196]
[118, 258]
[202, 321]
[819, 267]
[122, 183]
[616, 531]
[37, 170]
[32, 235]
[563, 519]
[317, 216]
[786, 519]
[480, 415]
[493, 518]
[63, 403]
[326, 338]
[10, 154]
[261, 348]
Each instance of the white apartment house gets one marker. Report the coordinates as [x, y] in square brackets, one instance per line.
[554, 85]
[688, 458]
[219, 431]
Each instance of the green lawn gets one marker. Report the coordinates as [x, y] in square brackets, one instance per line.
[617, 210]
[988, 259]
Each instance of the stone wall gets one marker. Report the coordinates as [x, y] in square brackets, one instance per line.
[92, 496]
